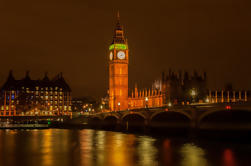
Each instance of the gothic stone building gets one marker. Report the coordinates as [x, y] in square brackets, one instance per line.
[118, 78]
[27, 97]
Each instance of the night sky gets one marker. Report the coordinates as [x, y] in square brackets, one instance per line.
[73, 37]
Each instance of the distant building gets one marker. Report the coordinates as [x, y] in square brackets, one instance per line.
[171, 88]
[228, 96]
[145, 98]
[82, 104]
[183, 88]
[27, 97]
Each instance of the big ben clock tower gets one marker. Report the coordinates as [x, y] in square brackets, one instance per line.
[118, 70]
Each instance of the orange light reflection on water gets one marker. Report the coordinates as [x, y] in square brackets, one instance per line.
[193, 155]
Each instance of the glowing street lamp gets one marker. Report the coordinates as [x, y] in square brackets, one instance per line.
[193, 94]
[119, 105]
[146, 99]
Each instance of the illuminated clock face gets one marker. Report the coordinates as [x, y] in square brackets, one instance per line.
[111, 55]
[121, 55]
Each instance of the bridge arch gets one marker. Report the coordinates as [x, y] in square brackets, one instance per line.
[187, 115]
[170, 120]
[110, 116]
[133, 121]
[207, 113]
[225, 119]
[110, 121]
[133, 113]
[95, 121]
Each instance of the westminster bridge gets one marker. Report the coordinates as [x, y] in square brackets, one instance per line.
[202, 116]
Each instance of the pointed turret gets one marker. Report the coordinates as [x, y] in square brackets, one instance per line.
[118, 37]
[27, 75]
[46, 78]
[136, 91]
[11, 77]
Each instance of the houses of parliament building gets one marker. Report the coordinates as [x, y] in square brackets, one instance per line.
[169, 88]
[173, 87]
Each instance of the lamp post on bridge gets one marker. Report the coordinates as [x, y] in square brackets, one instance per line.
[193, 94]
[119, 106]
[146, 102]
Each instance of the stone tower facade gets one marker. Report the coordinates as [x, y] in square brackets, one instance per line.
[118, 70]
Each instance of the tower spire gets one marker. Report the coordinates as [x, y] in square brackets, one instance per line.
[118, 37]
[118, 16]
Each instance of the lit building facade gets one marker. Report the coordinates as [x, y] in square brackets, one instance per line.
[228, 96]
[28, 97]
[174, 88]
[118, 70]
[145, 98]
[118, 78]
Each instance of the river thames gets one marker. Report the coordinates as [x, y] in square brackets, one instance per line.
[86, 147]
